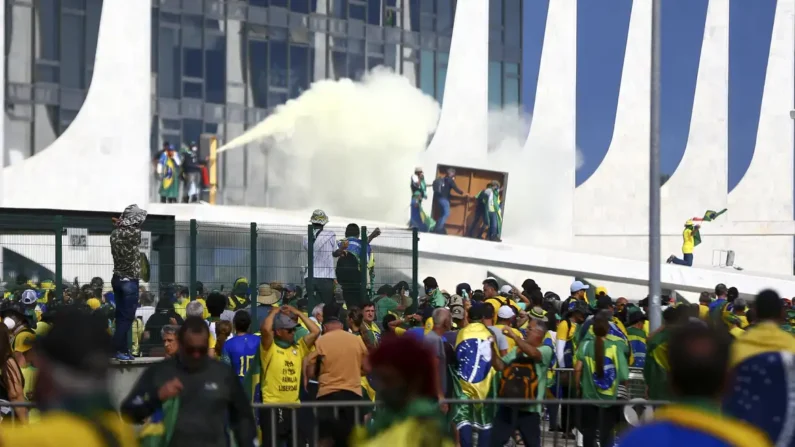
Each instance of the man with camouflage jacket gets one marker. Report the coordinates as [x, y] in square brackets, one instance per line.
[124, 242]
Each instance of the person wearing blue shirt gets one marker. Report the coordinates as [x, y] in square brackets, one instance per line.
[348, 273]
[240, 350]
[442, 187]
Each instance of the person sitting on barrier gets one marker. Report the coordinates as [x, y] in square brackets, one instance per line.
[601, 366]
[699, 360]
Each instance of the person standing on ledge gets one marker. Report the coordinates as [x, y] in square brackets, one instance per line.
[441, 194]
[691, 238]
[124, 241]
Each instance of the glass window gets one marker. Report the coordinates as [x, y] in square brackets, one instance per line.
[93, 11]
[191, 130]
[495, 13]
[340, 9]
[301, 6]
[414, 14]
[374, 12]
[513, 22]
[300, 72]
[168, 63]
[357, 11]
[427, 23]
[258, 2]
[427, 71]
[276, 98]
[45, 127]
[427, 6]
[72, 60]
[192, 62]
[47, 29]
[356, 66]
[215, 68]
[444, 16]
[339, 62]
[441, 74]
[495, 84]
[193, 89]
[510, 92]
[374, 61]
[258, 72]
[279, 3]
[18, 138]
[278, 64]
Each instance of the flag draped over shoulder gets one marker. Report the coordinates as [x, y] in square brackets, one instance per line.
[158, 430]
[253, 378]
[473, 351]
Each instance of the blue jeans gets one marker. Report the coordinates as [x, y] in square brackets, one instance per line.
[125, 292]
[444, 204]
[688, 260]
[492, 219]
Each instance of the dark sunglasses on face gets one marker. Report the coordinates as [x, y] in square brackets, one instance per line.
[201, 350]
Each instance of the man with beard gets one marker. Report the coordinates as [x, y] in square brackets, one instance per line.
[205, 394]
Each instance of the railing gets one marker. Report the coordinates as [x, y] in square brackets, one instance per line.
[201, 256]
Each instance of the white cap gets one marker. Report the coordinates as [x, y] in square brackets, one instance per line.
[506, 289]
[505, 312]
[29, 297]
[576, 286]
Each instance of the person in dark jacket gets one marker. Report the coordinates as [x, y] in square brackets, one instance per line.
[124, 241]
[441, 195]
[205, 393]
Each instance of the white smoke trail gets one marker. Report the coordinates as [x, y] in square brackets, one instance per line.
[347, 147]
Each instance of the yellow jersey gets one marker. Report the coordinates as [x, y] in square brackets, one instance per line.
[688, 242]
[511, 343]
[282, 372]
[59, 428]
[29, 373]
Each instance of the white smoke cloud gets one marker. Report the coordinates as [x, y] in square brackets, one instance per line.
[347, 147]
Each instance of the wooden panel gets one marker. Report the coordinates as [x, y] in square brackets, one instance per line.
[462, 210]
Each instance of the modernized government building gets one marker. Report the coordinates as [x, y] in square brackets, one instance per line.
[93, 88]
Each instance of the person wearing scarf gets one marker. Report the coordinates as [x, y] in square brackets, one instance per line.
[410, 414]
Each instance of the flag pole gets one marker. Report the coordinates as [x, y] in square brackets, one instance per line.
[655, 310]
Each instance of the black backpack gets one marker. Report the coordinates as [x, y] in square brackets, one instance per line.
[519, 379]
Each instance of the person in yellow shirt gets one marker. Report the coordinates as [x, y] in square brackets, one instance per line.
[688, 244]
[281, 359]
[73, 389]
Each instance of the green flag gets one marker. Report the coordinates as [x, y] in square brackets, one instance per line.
[158, 430]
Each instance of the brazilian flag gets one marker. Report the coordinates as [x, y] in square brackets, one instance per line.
[157, 432]
[711, 215]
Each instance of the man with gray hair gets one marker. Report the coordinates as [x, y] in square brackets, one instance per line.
[317, 315]
[442, 322]
[194, 309]
[169, 336]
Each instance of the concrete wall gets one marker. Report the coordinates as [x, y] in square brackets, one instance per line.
[110, 134]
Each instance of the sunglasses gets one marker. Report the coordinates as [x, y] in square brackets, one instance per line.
[192, 350]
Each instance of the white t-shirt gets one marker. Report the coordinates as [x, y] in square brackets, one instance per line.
[144, 312]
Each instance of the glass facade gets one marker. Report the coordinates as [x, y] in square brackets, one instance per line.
[50, 48]
[221, 66]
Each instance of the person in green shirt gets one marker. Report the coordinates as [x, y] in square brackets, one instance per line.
[526, 418]
[600, 365]
[386, 302]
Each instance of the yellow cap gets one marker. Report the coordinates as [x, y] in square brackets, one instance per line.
[689, 222]
[599, 290]
[93, 303]
[42, 328]
[24, 341]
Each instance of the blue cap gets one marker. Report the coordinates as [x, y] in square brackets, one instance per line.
[576, 286]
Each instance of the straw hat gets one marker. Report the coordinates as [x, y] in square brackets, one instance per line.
[266, 295]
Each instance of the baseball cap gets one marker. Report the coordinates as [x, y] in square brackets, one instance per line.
[283, 321]
[505, 312]
[457, 312]
[601, 290]
[29, 297]
[94, 303]
[456, 300]
[506, 289]
[576, 286]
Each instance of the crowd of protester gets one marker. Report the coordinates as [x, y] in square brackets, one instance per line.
[423, 371]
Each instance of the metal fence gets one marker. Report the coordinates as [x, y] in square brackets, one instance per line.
[72, 250]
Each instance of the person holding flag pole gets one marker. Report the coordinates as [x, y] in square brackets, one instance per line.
[692, 237]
